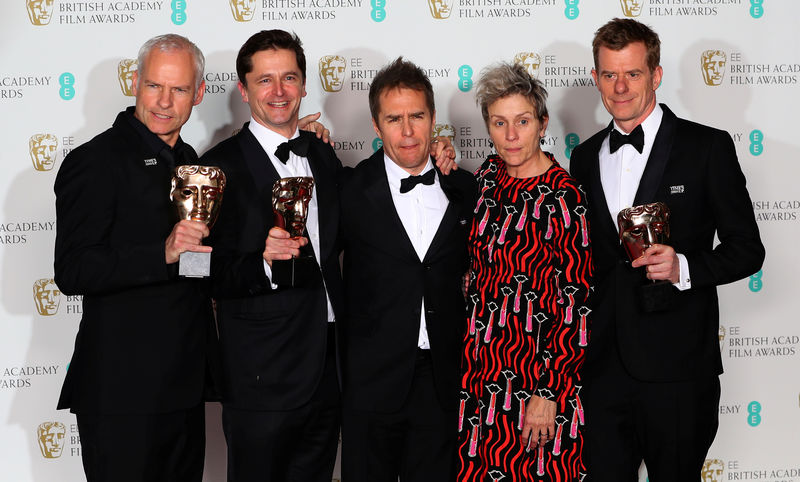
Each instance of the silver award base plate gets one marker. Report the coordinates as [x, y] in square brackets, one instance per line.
[194, 265]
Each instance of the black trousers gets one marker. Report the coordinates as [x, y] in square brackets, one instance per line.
[290, 445]
[417, 443]
[669, 425]
[160, 447]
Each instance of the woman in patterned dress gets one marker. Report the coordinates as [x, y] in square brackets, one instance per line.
[520, 416]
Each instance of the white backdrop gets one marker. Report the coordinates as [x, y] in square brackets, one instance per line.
[62, 81]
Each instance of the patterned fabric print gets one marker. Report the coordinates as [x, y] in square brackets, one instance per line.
[527, 325]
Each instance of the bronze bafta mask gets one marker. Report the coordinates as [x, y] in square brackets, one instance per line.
[197, 192]
[643, 226]
[51, 437]
[290, 198]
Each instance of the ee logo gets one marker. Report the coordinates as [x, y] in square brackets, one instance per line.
[378, 12]
[756, 145]
[572, 11]
[67, 82]
[465, 78]
[571, 140]
[756, 8]
[753, 414]
[755, 282]
[377, 143]
[178, 12]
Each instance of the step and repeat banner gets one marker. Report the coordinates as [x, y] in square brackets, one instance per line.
[65, 72]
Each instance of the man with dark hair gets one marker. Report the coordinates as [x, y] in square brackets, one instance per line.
[281, 404]
[651, 376]
[404, 230]
[146, 336]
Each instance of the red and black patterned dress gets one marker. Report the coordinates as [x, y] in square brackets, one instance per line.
[527, 324]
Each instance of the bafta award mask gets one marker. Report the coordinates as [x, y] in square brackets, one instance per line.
[440, 8]
[47, 296]
[444, 130]
[243, 10]
[125, 70]
[290, 198]
[43, 149]
[51, 436]
[631, 8]
[643, 226]
[530, 60]
[712, 470]
[713, 64]
[331, 72]
[197, 192]
[39, 11]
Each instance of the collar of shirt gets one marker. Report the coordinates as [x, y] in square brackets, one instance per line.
[270, 140]
[395, 174]
[650, 127]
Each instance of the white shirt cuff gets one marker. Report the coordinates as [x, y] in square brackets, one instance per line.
[268, 272]
[684, 280]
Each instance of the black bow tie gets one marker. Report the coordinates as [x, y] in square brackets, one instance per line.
[408, 183]
[298, 145]
[635, 138]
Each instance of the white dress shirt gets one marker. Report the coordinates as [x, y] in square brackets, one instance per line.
[621, 172]
[295, 166]
[421, 211]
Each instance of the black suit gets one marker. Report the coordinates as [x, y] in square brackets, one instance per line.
[146, 336]
[666, 363]
[275, 342]
[385, 283]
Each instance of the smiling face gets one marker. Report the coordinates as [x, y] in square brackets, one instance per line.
[627, 86]
[166, 90]
[274, 88]
[515, 131]
[404, 124]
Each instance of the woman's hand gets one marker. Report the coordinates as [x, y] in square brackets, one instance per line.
[540, 423]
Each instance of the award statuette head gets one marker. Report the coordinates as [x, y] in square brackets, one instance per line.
[290, 197]
[197, 193]
[643, 226]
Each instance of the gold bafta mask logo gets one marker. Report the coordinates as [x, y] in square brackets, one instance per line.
[243, 10]
[531, 61]
[440, 8]
[445, 130]
[631, 8]
[125, 71]
[51, 437]
[721, 334]
[712, 470]
[47, 296]
[713, 65]
[331, 72]
[43, 149]
[197, 193]
[39, 11]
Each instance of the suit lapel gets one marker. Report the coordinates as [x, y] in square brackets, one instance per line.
[450, 217]
[327, 192]
[386, 220]
[657, 162]
[596, 192]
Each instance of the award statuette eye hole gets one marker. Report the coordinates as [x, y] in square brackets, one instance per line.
[196, 195]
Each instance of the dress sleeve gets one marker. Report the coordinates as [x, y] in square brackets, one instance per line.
[565, 343]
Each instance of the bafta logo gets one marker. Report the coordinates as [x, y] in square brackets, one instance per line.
[331, 72]
[440, 8]
[631, 8]
[445, 130]
[712, 470]
[531, 61]
[43, 149]
[47, 296]
[39, 11]
[243, 10]
[721, 334]
[713, 66]
[51, 437]
[125, 71]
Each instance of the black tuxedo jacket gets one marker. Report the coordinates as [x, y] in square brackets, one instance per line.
[146, 336]
[385, 282]
[273, 341]
[694, 170]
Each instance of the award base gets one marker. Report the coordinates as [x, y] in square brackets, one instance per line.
[194, 265]
[656, 296]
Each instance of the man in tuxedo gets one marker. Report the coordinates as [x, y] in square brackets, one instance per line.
[146, 339]
[652, 377]
[404, 231]
[277, 315]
